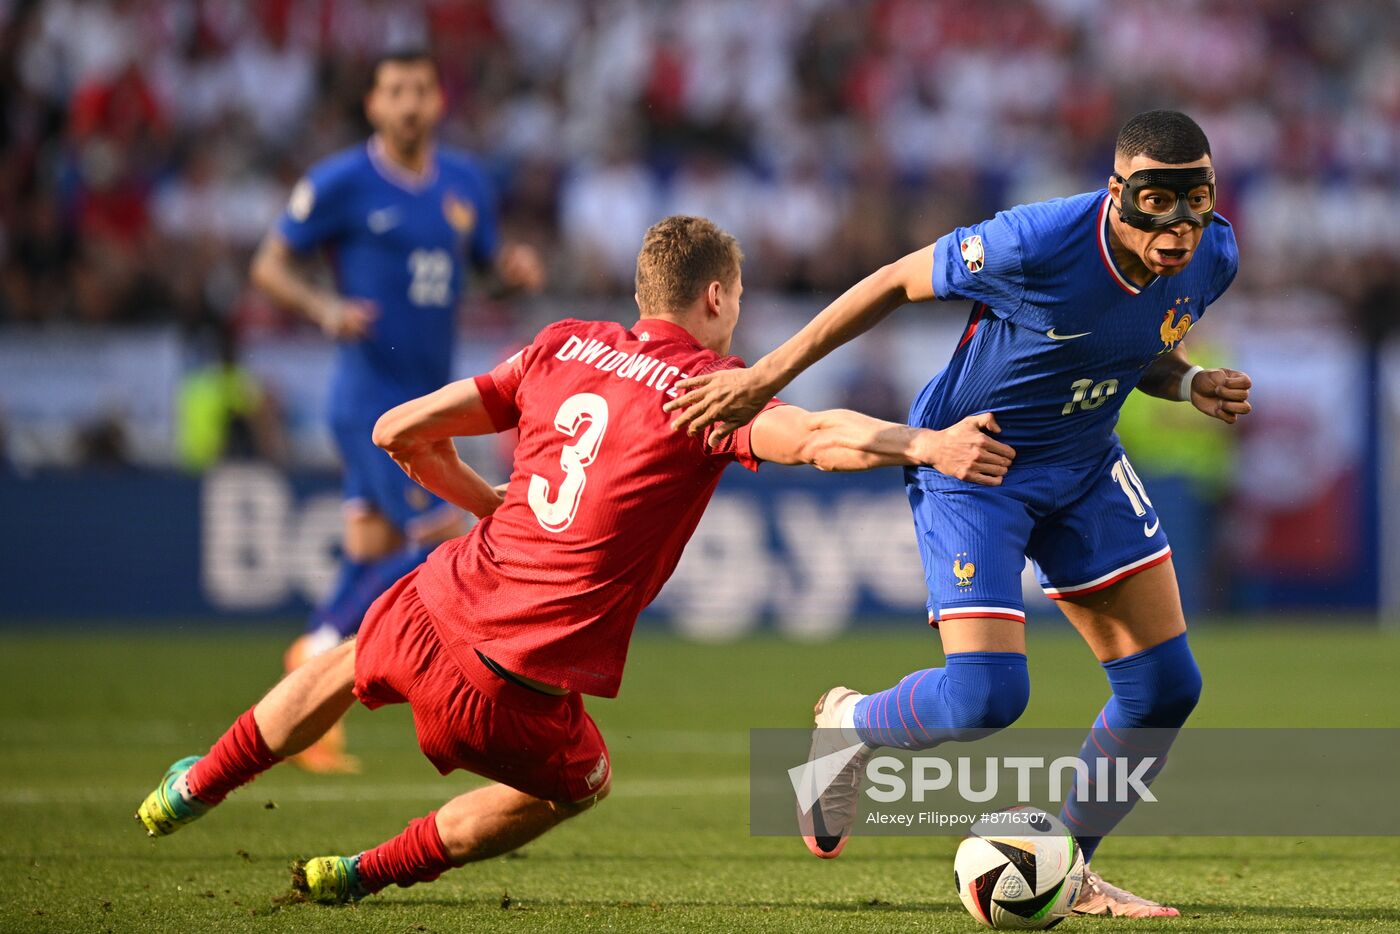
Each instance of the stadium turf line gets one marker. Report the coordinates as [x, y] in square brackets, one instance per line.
[91, 719]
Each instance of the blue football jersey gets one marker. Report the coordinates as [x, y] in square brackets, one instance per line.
[399, 242]
[1058, 336]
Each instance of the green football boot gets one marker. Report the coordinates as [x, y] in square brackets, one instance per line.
[329, 880]
[165, 810]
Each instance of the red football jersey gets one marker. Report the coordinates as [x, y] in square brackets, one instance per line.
[602, 500]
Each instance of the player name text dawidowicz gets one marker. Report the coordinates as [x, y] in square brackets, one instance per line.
[638, 367]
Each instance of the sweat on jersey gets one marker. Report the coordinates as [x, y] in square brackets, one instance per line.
[398, 241]
[602, 499]
[1058, 336]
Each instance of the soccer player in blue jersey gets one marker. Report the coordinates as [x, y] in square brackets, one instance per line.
[1077, 302]
[397, 218]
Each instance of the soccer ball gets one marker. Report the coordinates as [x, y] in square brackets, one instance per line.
[1019, 870]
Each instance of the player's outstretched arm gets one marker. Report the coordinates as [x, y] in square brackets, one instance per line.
[1220, 393]
[839, 439]
[276, 271]
[418, 436]
[733, 397]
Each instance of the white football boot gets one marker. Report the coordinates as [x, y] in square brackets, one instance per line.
[827, 824]
[1098, 897]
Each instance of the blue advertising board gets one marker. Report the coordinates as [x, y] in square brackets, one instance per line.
[791, 549]
[804, 549]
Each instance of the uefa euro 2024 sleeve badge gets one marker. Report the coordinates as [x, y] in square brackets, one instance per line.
[974, 258]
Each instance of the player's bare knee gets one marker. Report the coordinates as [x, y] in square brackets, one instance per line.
[567, 809]
[369, 536]
[366, 549]
[332, 674]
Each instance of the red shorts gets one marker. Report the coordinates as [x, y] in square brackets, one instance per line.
[544, 745]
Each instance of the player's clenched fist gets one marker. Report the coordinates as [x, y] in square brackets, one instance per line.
[1222, 394]
[966, 452]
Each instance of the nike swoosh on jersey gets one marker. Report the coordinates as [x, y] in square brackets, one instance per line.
[1065, 337]
[382, 220]
[1150, 530]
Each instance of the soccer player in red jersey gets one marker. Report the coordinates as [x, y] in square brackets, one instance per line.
[495, 637]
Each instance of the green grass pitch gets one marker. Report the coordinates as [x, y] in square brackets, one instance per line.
[92, 719]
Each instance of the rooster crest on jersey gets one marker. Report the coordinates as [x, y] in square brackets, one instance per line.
[963, 570]
[974, 257]
[1173, 332]
[459, 213]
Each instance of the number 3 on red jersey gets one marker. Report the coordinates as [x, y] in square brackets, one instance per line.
[557, 514]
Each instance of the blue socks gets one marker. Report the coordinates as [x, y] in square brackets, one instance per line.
[974, 695]
[978, 693]
[346, 582]
[360, 584]
[1155, 690]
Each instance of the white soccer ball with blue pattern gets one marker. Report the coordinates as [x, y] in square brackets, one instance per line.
[1019, 870]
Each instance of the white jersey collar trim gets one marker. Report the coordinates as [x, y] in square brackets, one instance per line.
[1106, 253]
[396, 174]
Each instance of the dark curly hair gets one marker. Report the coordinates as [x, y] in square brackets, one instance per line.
[1164, 135]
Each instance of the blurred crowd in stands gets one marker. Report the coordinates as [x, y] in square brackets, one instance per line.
[146, 145]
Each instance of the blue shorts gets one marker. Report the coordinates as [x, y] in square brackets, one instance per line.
[374, 481]
[1086, 526]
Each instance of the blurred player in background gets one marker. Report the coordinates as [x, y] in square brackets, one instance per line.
[397, 217]
[1077, 302]
[493, 640]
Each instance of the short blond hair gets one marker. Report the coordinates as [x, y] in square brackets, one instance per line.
[680, 257]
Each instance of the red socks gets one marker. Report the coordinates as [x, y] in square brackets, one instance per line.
[416, 855]
[239, 756]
